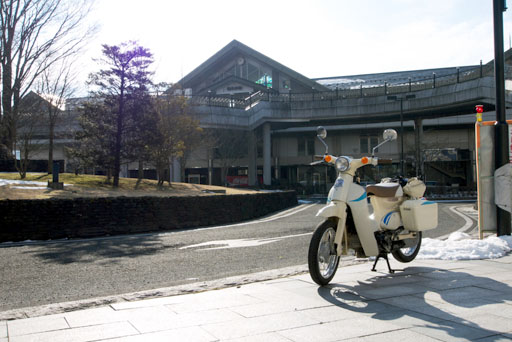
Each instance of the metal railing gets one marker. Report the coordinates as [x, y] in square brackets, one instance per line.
[350, 91]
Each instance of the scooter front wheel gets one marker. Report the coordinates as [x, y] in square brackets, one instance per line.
[322, 259]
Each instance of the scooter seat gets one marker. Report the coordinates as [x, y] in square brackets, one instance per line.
[383, 190]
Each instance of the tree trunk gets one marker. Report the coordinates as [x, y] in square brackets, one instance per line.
[140, 173]
[50, 149]
[7, 119]
[119, 132]
[109, 175]
[223, 175]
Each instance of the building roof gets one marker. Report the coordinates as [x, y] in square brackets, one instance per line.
[396, 77]
[401, 77]
[231, 50]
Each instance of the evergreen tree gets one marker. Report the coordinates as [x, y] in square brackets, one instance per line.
[125, 78]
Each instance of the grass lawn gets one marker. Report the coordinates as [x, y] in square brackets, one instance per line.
[91, 185]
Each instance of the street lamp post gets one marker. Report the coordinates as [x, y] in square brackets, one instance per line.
[401, 99]
[501, 127]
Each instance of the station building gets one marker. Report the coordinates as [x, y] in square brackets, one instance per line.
[433, 108]
[274, 112]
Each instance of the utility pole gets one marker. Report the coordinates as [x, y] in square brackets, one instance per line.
[401, 99]
[501, 128]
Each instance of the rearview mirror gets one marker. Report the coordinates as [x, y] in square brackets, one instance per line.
[321, 132]
[389, 134]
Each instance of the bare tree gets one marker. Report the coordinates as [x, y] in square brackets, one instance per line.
[29, 126]
[229, 147]
[55, 87]
[35, 34]
[177, 132]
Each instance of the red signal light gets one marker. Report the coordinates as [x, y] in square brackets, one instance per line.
[479, 109]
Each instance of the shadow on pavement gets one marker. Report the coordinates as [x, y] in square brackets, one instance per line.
[427, 299]
[110, 250]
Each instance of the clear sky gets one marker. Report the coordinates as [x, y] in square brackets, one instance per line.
[318, 38]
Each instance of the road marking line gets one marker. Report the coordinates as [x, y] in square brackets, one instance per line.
[269, 219]
[466, 226]
[239, 243]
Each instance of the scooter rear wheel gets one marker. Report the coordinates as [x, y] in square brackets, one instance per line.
[322, 259]
[408, 253]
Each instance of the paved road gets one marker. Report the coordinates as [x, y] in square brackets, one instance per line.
[44, 273]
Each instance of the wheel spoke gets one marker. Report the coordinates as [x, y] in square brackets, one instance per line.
[326, 260]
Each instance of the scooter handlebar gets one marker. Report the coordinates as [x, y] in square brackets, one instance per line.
[384, 161]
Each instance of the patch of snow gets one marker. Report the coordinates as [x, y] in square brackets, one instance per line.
[460, 246]
[30, 187]
[4, 182]
[26, 185]
[339, 81]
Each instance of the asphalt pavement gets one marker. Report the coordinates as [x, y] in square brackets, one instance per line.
[428, 301]
[39, 273]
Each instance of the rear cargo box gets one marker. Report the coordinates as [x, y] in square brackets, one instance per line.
[418, 215]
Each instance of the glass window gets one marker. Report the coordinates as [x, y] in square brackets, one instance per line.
[374, 141]
[265, 80]
[253, 72]
[302, 147]
[363, 145]
[306, 146]
[366, 143]
[311, 147]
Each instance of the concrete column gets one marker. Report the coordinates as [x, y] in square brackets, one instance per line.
[252, 154]
[176, 170]
[418, 139]
[124, 170]
[267, 153]
[210, 172]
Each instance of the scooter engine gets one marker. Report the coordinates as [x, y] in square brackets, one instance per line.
[387, 240]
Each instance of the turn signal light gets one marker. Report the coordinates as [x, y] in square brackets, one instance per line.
[327, 158]
[364, 160]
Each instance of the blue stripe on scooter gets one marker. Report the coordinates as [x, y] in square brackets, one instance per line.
[428, 202]
[388, 217]
[363, 196]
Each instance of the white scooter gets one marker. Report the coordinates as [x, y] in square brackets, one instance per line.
[395, 226]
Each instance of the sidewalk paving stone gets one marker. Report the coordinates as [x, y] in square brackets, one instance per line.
[496, 338]
[3, 329]
[450, 331]
[395, 336]
[268, 337]
[154, 323]
[338, 330]
[258, 325]
[458, 295]
[349, 311]
[195, 334]
[489, 321]
[154, 316]
[83, 334]
[36, 325]
[430, 301]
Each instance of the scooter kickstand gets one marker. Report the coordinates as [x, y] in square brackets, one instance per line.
[384, 256]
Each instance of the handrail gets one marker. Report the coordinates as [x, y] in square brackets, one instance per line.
[350, 91]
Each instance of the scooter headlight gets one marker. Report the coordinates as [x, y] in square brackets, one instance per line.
[342, 164]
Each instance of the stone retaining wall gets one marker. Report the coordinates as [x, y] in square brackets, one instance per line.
[91, 217]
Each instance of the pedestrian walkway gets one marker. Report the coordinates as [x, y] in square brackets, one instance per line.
[429, 301]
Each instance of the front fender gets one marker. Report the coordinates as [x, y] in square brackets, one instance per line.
[338, 210]
[332, 210]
